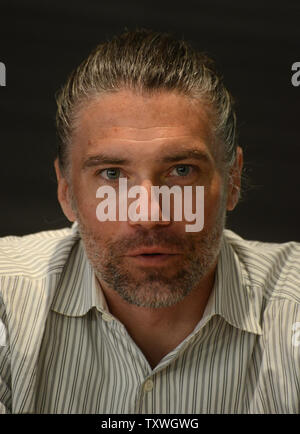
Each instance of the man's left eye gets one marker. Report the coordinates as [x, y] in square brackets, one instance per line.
[182, 170]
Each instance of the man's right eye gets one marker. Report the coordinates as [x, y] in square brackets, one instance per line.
[110, 174]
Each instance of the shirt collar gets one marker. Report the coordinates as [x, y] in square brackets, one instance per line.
[238, 302]
[78, 289]
[233, 297]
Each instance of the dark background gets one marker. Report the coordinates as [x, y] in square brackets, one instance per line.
[255, 44]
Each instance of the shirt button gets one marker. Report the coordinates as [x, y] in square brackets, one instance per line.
[107, 317]
[148, 385]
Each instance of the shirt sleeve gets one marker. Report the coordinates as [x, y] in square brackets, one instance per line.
[278, 383]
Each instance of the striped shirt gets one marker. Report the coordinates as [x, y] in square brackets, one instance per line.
[63, 352]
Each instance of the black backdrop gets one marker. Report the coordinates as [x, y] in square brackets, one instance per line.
[255, 44]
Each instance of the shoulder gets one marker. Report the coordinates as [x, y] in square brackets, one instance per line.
[36, 255]
[271, 272]
[275, 267]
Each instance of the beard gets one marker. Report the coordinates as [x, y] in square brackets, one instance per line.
[147, 287]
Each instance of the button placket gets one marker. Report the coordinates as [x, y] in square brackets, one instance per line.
[148, 386]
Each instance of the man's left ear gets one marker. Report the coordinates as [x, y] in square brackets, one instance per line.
[234, 181]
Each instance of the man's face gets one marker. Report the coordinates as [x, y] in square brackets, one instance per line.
[151, 140]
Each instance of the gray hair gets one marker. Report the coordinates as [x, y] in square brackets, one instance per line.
[147, 61]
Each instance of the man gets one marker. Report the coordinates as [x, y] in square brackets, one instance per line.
[139, 315]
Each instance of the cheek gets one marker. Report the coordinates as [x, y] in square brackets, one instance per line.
[213, 200]
[87, 204]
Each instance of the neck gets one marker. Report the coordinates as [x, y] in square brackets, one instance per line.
[158, 331]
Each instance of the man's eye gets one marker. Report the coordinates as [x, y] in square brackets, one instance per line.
[182, 170]
[111, 173]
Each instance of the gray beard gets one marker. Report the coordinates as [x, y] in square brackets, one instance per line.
[151, 288]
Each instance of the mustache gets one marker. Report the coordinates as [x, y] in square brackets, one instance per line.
[149, 239]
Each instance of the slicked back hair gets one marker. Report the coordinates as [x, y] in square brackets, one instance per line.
[148, 61]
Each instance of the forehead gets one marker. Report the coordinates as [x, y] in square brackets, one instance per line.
[134, 122]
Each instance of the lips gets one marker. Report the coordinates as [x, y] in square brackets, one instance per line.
[153, 256]
[148, 251]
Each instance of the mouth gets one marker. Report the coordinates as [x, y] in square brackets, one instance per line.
[155, 250]
[153, 256]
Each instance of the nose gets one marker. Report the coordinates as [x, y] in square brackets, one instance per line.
[145, 211]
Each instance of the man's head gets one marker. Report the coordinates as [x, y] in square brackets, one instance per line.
[148, 61]
[153, 110]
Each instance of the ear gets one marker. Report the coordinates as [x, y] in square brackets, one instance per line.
[234, 185]
[63, 193]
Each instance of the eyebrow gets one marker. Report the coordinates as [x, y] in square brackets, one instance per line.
[99, 159]
[194, 154]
